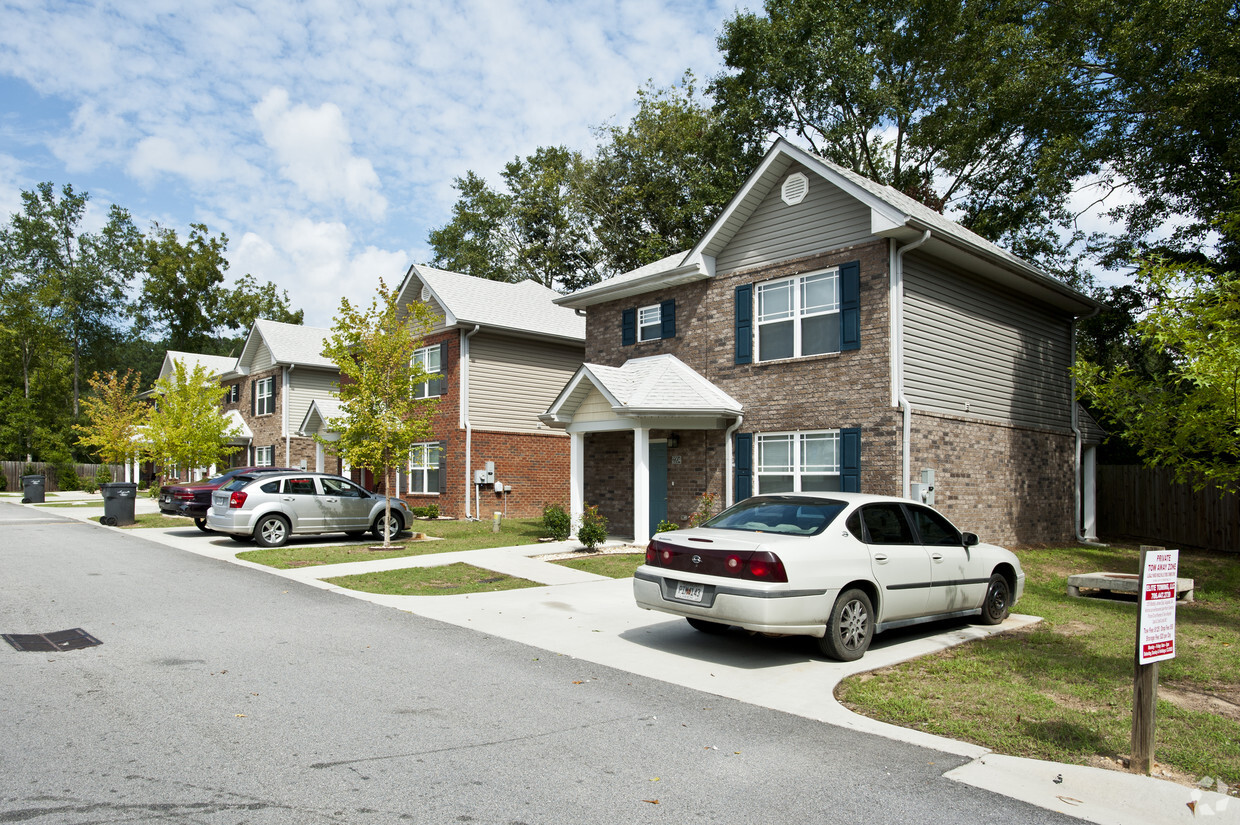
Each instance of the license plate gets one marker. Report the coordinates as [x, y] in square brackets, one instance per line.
[689, 592]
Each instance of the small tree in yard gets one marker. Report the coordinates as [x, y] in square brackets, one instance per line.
[593, 530]
[114, 418]
[186, 428]
[382, 419]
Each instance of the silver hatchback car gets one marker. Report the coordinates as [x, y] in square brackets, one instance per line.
[270, 507]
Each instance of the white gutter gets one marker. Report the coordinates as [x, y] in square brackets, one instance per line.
[729, 492]
[469, 433]
[1079, 438]
[897, 354]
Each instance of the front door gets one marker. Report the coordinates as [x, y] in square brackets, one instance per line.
[658, 484]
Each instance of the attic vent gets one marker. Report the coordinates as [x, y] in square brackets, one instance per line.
[795, 187]
[426, 293]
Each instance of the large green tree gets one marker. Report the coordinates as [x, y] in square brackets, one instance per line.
[381, 417]
[185, 430]
[114, 417]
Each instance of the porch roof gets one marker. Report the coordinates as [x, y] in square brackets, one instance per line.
[245, 435]
[659, 386]
[320, 412]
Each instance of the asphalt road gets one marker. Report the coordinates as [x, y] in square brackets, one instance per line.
[222, 694]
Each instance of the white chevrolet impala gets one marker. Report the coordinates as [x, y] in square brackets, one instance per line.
[837, 566]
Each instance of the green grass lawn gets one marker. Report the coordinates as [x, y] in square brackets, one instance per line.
[453, 535]
[615, 565]
[441, 580]
[155, 520]
[95, 502]
[1062, 690]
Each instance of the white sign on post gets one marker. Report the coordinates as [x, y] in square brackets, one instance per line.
[1156, 626]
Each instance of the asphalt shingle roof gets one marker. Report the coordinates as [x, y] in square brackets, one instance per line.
[524, 306]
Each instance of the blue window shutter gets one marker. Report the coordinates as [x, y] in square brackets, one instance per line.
[850, 306]
[850, 460]
[253, 398]
[744, 324]
[743, 462]
[628, 328]
[667, 317]
[443, 466]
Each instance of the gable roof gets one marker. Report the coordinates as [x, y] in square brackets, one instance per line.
[213, 364]
[892, 215]
[289, 344]
[525, 307]
[655, 386]
[320, 412]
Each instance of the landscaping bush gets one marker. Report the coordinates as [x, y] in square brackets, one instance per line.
[556, 522]
[89, 486]
[429, 511]
[706, 504]
[102, 476]
[666, 526]
[4, 483]
[593, 530]
[67, 478]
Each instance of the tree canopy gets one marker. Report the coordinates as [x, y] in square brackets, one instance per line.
[186, 430]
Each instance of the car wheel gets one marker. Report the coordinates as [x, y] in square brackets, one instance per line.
[272, 531]
[851, 627]
[395, 525]
[713, 628]
[201, 524]
[998, 600]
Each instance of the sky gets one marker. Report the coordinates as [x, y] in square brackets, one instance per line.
[321, 137]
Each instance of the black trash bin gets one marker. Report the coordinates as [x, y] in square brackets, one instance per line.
[32, 489]
[118, 502]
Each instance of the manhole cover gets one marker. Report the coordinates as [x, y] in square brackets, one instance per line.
[74, 639]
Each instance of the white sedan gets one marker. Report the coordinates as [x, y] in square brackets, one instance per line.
[837, 566]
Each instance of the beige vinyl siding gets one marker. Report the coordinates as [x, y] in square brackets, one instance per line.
[413, 292]
[593, 408]
[827, 219]
[305, 386]
[513, 380]
[262, 359]
[973, 349]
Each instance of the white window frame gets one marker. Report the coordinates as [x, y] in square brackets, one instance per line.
[265, 456]
[264, 400]
[650, 317]
[797, 442]
[797, 312]
[420, 467]
[423, 356]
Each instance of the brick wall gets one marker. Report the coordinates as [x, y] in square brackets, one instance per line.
[268, 429]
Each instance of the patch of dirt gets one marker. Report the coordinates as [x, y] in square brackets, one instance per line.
[1160, 771]
[1221, 703]
[1075, 628]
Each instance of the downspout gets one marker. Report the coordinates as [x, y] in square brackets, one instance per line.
[1079, 438]
[288, 449]
[469, 433]
[728, 479]
[897, 314]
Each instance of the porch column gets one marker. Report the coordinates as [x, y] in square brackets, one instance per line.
[1089, 493]
[576, 477]
[641, 486]
[318, 456]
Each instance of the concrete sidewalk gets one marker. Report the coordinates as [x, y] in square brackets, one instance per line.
[593, 618]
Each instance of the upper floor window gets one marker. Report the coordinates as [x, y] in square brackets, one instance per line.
[234, 394]
[799, 462]
[430, 359]
[264, 396]
[649, 323]
[799, 316]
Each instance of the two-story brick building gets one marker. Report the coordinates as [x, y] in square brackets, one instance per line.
[828, 333]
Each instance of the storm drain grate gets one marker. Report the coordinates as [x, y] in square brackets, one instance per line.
[74, 639]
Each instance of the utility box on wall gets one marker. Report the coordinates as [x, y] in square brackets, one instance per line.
[923, 491]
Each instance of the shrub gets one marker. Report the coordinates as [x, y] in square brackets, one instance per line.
[429, 511]
[4, 483]
[67, 478]
[666, 526]
[706, 504]
[556, 522]
[102, 476]
[593, 530]
[89, 486]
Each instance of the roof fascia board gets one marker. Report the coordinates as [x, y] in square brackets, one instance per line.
[449, 317]
[696, 270]
[772, 156]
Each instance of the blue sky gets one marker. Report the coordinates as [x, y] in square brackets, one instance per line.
[321, 137]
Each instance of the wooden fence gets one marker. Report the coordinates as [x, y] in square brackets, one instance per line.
[1145, 504]
[14, 470]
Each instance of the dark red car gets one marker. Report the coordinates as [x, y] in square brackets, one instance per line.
[194, 500]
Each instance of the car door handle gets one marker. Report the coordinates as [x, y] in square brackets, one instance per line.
[287, 498]
[938, 557]
[881, 558]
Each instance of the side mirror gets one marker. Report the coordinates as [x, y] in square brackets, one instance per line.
[970, 539]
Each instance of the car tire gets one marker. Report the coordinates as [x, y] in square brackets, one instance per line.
[201, 524]
[272, 531]
[851, 627]
[703, 626]
[396, 525]
[998, 601]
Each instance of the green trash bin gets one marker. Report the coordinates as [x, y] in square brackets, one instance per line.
[32, 489]
[118, 502]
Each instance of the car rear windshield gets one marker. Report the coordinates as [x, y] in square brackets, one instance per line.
[237, 483]
[787, 515]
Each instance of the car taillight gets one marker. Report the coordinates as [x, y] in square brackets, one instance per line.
[767, 567]
[754, 565]
[183, 495]
[236, 501]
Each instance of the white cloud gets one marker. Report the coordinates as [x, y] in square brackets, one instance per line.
[314, 151]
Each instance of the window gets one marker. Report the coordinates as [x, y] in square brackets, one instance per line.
[649, 327]
[886, 524]
[799, 316]
[264, 456]
[429, 359]
[264, 396]
[934, 528]
[299, 487]
[424, 468]
[799, 462]
[340, 487]
[233, 395]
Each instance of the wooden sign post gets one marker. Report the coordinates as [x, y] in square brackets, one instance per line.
[1155, 642]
